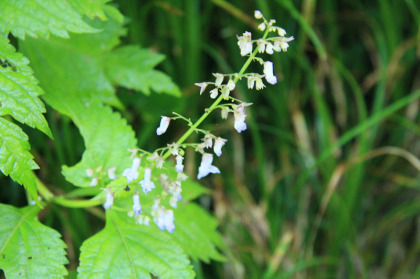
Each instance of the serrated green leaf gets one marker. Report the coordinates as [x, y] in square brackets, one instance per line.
[29, 249]
[196, 232]
[19, 89]
[125, 250]
[40, 18]
[107, 139]
[15, 158]
[132, 67]
[90, 8]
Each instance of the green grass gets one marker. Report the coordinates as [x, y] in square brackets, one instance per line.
[325, 182]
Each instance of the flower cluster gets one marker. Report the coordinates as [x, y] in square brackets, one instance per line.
[155, 174]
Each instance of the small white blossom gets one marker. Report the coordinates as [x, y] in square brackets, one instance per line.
[284, 46]
[206, 167]
[136, 204]
[165, 220]
[258, 14]
[245, 43]
[173, 202]
[268, 72]
[231, 84]
[251, 82]
[131, 173]
[109, 199]
[269, 48]
[94, 182]
[240, 115]
[259, 85]
[225, 112]
[158, 159]
[179, 166]
[181, 177]
[173, 148]
[281, 31]
[156, 204]
[111, 173]
[225, 91]
[214, 92]
[219, 79]
[218, 143]
[261, 45]
[146, 184]
[164, 123]
[89, 172]
[202, 86]
[207, 141]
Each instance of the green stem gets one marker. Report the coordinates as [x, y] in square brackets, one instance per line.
[49, 197]
[216, 102]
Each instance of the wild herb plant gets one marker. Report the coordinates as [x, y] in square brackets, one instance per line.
[152, 226]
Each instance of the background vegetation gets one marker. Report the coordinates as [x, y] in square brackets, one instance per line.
[325, 183]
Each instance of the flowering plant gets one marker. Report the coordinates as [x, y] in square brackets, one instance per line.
[151, 225]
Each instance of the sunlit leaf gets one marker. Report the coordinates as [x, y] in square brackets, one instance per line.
[40, 18]
[126, 250]
[29, 249]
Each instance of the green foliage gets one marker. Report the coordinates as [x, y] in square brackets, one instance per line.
[90, 8]
[29, 249]
[19, 89]
[126, 250]
[196, 233]
[19, 93]
[15, 158]
[39, 19]
[78, 75]
[132, 67]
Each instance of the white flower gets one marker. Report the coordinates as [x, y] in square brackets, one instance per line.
[269, 48]
[109, 199]
[258, 14]
[245, 43]
[284, 46]
[261, 46]
[260, 85]
[136, 204]
[251, 81]
[207, 141]
[268, 72]
[94, 182]
[281, 32]
[179, 167]
[158, 159]
[165, 220]
[261, 27]
[181, 177]
[206, 167]
[240, 115]
[131, 173]
[111, 173]
[218, 143]
[214, 92]
[146, 184]
[173, 148]
[173, 202]
[225, 91]
[219, 79]
[156, 204]
[89, 172]
[202, 86]
[225, 112]
[231, 84]
[164, 123]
